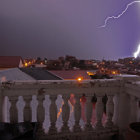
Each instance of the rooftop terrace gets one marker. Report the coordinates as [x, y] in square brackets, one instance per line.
[59, 108]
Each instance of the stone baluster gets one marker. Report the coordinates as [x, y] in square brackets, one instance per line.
[27, 109]
[13, 109]
[109, 111]
[40, 114]
[89, 107]
[99, 112]
[53, 114]
[65, 113]
[77, 113]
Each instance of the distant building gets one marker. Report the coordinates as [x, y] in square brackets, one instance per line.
[7, 62]
[54, 65]
[39, 65]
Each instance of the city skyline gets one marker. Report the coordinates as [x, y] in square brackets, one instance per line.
[58, 28]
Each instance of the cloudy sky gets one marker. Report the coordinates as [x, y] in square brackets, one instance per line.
[53, 28]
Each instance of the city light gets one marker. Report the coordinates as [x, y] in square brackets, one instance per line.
[113, 72]
[79, 79]
[26, 64]
[90, 73]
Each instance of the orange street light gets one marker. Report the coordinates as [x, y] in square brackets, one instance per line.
[79, 79]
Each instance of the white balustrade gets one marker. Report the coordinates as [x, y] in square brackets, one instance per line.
[40, 114]
[89, 108]
[99, 112]
[124, 105]
[27, 109]
[53, 114]
[65, 113]
[77, 113]
[13, 109]
[109, 111]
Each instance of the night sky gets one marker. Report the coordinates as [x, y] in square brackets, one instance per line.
[53, 28]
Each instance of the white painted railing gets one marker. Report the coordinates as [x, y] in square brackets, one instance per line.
[120, 103]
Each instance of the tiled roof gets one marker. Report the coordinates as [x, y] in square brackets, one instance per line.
[40, 74]
[9, 61]
[13, 74]
[71, 74]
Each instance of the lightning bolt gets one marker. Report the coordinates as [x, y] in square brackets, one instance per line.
[137, 52]
[118, 16]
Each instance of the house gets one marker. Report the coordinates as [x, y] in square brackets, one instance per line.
[7, 62]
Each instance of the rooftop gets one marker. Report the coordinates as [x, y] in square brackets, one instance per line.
[71, 74]
[40, 74]
[10, 61]
[13, 74]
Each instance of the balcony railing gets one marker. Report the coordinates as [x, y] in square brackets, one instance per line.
[121, 107]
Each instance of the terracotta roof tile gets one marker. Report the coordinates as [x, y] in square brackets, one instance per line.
[9, 61]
